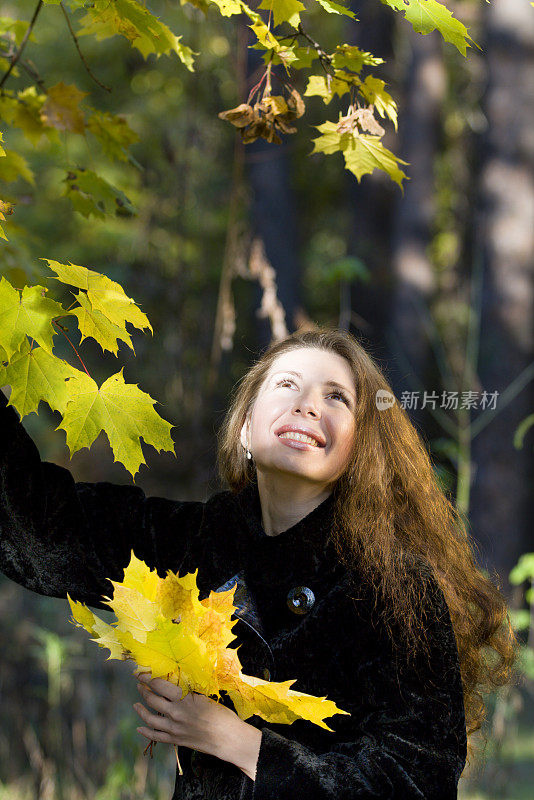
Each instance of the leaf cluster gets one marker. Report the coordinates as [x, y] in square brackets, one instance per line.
[36, 373]
[168, 631]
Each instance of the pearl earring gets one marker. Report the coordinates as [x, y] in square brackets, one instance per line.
[249, 454]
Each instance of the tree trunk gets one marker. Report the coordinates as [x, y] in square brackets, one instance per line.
[371, 201]
[273, 215]
[412, 271]
[504, 225]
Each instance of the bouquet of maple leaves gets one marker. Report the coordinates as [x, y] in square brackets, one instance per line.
[164, 627]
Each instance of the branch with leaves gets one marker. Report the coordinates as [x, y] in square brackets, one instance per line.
[357, 133]
[43, 113]
[121, 410]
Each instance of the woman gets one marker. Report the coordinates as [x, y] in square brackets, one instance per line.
[354, 575]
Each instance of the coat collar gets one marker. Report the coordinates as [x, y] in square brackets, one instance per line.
[298, 554]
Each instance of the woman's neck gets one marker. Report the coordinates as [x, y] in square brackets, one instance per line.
[284, 503]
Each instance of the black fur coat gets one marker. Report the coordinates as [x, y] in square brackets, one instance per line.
[405, 736]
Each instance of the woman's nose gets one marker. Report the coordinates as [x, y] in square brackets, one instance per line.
[310, 405]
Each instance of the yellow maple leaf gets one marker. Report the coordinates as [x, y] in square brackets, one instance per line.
[92, 323]
[105, 295]
[172, 634]
[104, 634]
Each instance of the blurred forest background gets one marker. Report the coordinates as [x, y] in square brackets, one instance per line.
[234, 245]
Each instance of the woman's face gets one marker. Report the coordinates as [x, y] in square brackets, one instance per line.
[304, 400]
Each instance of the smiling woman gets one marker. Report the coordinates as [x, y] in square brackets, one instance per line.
[299, 432]
[354, 576]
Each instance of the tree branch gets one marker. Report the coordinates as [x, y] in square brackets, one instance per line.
[84, 62]
[23, 43]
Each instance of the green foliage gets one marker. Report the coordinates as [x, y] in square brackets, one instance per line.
[70, 140]
[121, 410]
[92, 195]
[521, 431]
[521, 619]
[57, 108]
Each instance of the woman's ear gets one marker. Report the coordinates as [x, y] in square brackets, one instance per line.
[243, 435]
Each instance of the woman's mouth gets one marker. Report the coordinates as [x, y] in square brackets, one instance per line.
[298, 441]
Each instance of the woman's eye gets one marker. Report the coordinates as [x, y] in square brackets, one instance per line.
[332, 394]
[340, 395]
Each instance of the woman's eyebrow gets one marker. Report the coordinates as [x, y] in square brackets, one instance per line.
[335, 384]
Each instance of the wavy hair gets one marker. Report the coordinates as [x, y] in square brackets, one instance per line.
[389, 487]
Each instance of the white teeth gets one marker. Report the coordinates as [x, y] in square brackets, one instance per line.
[300, 437]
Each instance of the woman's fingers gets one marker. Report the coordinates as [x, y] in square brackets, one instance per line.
[157, 736]
[163, 687]
[156, 721]
[155, 700]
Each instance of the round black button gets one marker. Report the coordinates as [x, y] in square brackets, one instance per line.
[300, 599]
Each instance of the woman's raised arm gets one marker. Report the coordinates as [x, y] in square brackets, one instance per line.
[58, 536]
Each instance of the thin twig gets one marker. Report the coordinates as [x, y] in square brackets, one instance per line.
[31, 70]
[23, 43]
[84, 62]
[69, 341]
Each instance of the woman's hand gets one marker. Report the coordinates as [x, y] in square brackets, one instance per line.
[197, 722]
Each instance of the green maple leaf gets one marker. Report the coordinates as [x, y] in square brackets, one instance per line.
[113, 133]
[351, 57]
[373, 89]
[330, 140]
[105, 295]
[429, 15]
[14, 166]
[130, 19]
[35, 375]
[91, 194]
[2, 215]
[365, 152]
[22, 109]
[73, 4]
[284, 10]
[29, 312]
[362, 152]
[93, 324]
[14, 29]
[336, 8]
[327, 86]
[296, 57]
[121, 410]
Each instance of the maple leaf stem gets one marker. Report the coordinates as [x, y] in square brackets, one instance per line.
[23, 43]
[268, 84]
[75, 39]
[256, 87]
[180, 770]
[149, 745]
[69, 341]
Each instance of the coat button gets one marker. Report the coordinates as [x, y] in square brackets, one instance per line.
[300, 599]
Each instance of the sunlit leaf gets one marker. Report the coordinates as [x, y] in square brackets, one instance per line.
[174, 636]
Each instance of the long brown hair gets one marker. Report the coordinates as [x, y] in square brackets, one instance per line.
[389, 487]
